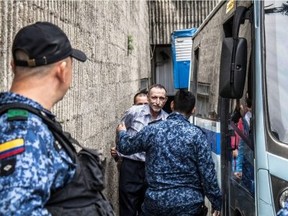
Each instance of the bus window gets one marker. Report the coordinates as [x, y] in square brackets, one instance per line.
[276, 18]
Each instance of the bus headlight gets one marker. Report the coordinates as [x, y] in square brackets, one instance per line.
[283, 197]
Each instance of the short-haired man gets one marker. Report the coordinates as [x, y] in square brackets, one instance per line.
[132, 183]
[31, 165]
[179, 165]
[140, 98]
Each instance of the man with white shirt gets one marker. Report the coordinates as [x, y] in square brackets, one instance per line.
[132, 184]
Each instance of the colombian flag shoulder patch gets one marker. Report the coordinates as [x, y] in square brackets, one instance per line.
[11, 148]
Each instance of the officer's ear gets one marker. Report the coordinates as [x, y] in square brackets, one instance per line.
[172, 105]
[61, 71]
[193, 111]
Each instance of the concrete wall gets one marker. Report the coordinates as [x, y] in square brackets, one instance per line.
[103, 87]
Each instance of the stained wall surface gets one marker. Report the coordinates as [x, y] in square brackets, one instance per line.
[103, 86]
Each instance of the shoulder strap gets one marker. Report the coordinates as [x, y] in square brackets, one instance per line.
[55, 127]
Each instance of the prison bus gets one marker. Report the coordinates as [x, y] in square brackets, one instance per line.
[241, 49]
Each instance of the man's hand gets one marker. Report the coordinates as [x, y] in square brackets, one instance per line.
[113, 153]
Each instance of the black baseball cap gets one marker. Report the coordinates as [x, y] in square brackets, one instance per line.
[44, 43]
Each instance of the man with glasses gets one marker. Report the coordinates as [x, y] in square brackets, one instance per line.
[132, 184]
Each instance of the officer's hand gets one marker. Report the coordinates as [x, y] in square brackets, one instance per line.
[121, 127]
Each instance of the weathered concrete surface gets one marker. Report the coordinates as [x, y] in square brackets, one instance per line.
[103, 87]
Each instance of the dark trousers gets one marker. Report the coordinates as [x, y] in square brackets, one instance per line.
[132, 187]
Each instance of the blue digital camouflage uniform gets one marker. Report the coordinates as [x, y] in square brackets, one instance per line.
[178, 162]
[30, 165]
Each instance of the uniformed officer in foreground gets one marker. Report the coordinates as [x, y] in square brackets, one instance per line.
[30, 165]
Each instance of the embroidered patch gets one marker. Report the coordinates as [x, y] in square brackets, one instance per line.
[11, 148]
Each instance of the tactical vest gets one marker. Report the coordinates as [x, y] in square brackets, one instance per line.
[83, 195]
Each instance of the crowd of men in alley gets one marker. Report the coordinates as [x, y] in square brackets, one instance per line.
[164, 162]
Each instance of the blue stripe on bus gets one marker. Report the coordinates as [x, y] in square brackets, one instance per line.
[214, 139]
[212, 130]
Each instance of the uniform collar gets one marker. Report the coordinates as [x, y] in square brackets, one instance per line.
[177, 115]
